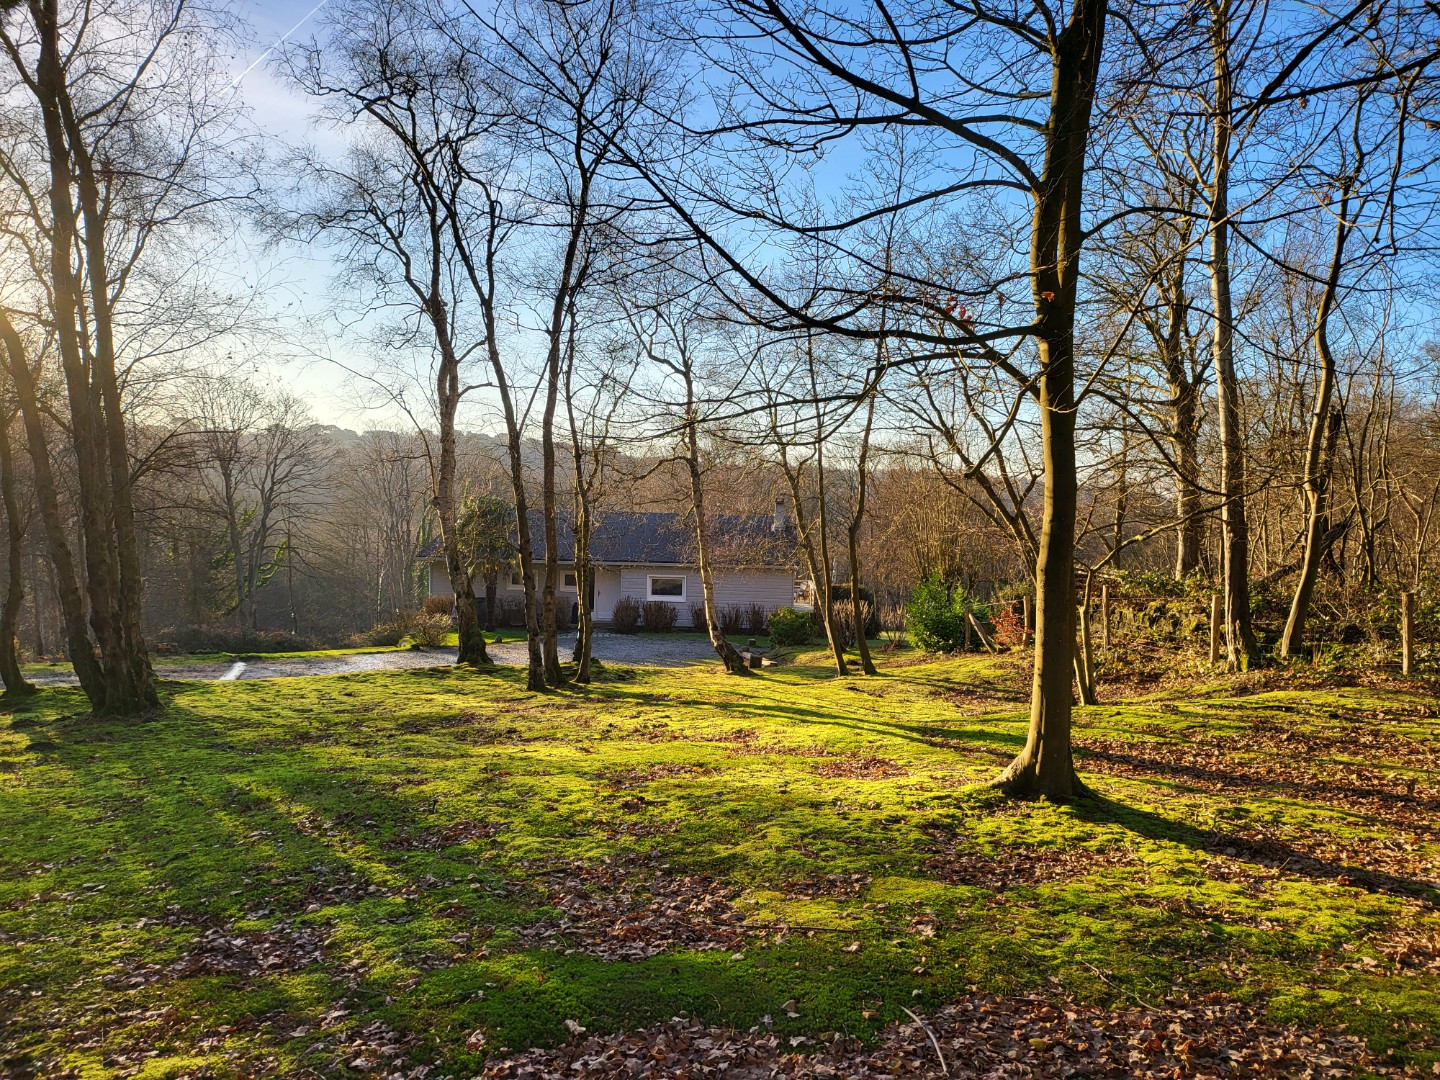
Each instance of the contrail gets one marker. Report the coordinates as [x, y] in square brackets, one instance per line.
[261, 58]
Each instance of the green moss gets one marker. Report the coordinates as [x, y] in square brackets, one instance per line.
[412, 817]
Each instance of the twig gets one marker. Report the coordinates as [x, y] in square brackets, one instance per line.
[944, 1069]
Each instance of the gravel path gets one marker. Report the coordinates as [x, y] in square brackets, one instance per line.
[611, 648]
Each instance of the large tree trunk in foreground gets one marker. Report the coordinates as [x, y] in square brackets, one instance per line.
[10, 676]
[1045, 768]
[62, 562]
[84, 335]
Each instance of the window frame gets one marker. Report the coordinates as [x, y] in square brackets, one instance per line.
[650, 580]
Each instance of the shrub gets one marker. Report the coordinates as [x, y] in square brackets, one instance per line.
[732, 619]
[755, 618]
[892, 624]
[660, 617]
[935, 616]
[789, 627]
[388, 633]
[438, 605]
[844, 615]
[234, 639]
[564, 609]
[625, 618]
[697, 616]
[1008, 618]
[428, 630]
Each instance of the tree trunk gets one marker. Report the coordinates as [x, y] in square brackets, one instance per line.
[1319, 446]
[492, 590]
[729, 655]
[469, 636]
[14, 682]
[62, 562]
[112, 557]
[585, 618]
[852, 537]
[1045, 767]
[1184, 431]
[1242, 647]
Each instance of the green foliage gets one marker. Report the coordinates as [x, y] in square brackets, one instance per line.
[789, 627]
[935, 616]
[485, 523]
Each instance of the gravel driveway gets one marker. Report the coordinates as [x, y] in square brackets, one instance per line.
[656, 651]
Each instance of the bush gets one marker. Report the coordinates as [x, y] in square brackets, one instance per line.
[564, 608]
[844, 615]
[755, 619]
[697, 616]
[427, 630]
[233, 639]
[660, 617]
[935, 616]
[789, 627]
[380, 634]
[625, 618]
[732, 619]
[1008, 618]
[438, 605]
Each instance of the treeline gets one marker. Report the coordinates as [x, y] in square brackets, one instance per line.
[1104, 283]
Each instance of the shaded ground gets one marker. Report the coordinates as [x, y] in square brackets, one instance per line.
[433, 873]
[651, 650]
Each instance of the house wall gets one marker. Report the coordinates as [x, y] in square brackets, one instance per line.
[773, 588]
[440, 579]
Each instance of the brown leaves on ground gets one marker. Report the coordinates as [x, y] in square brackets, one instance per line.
[956, 864]
[625, 910]
[980, 1036]
[859, 767]
[223, 950]
[618, 779]
[453, 835]
[1273, 761]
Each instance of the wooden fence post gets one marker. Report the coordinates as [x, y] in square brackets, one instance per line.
[1105, 616]
[1407, 630]
[1215, 616]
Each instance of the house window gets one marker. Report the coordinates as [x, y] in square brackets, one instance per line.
[570, 579]
[666, 588]
[516, 581]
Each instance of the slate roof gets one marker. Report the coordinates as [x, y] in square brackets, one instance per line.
[626, 538]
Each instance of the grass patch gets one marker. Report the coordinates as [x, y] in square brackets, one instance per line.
[301, 873]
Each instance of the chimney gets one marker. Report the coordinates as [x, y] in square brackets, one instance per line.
[782, 515]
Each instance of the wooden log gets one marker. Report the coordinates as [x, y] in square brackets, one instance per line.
[1217, 608]
[984, 637]
[1407, 631]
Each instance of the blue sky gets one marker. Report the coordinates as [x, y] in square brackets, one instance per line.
[301, 278]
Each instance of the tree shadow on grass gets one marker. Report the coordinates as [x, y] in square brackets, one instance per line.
[1275, 782]
[1264, 852]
